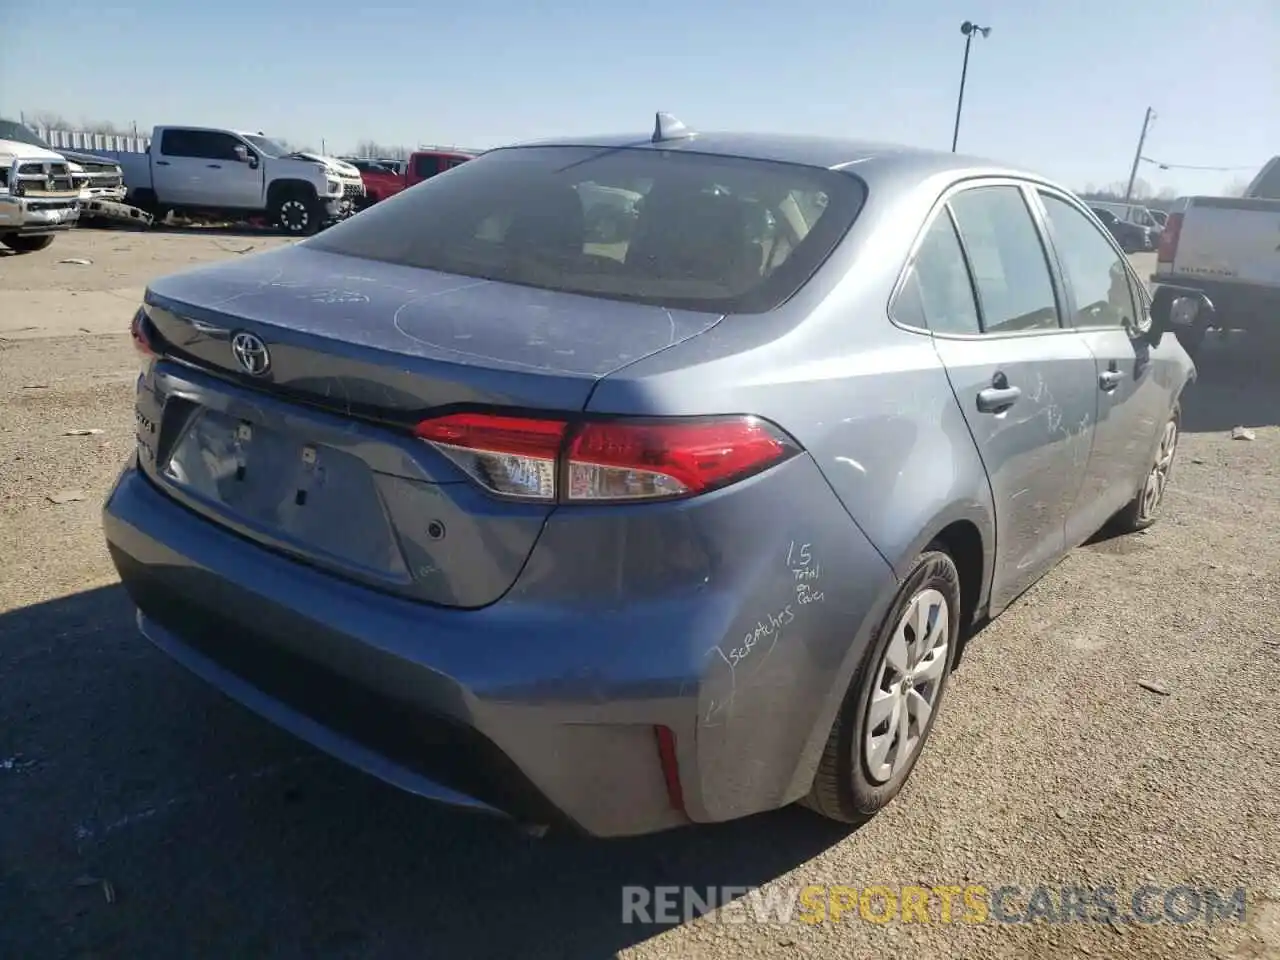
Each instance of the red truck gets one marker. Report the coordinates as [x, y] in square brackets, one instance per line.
[386, 178]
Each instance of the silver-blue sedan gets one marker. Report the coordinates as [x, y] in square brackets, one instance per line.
[630, 482]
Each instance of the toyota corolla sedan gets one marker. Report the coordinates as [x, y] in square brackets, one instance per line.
[672, 528]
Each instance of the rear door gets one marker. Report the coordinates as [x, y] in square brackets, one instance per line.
[1104, 304]
[175, 166]
[1024, 381]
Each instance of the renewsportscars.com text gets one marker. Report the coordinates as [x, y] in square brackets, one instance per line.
[944, 903]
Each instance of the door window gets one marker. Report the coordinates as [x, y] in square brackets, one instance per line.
[426, 166]
[178, 143]
[1010, 269]
[204, 144]
[936, 293]
[1098, 273]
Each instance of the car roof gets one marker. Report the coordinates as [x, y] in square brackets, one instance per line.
[867, 158]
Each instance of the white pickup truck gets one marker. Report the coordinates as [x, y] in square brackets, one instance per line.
[1229, 248]
[39, 190]
[231, 173]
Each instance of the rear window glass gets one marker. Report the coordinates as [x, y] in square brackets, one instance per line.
[669, 228]
[1267, 186]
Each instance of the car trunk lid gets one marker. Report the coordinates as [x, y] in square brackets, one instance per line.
[313, 454]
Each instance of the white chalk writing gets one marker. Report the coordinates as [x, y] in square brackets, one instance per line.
[764, 629]
[806, 572]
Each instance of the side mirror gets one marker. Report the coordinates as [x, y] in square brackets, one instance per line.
[1178, 308]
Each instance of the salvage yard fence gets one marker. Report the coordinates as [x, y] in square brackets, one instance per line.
[88, 142]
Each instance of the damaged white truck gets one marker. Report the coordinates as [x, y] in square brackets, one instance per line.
[227, 173]
[39, 191]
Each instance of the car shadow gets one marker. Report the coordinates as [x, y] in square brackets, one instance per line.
[146, 815]
[1237, 384]
[215, 230]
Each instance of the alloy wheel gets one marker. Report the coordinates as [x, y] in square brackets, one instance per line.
[908, 681]
[294, 215]
[1158, 480]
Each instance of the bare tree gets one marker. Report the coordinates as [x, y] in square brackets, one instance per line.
[371, 148]
[48, 119]
[1236, 187]
[104, 127]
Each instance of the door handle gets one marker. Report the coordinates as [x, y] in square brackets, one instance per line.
[215, 166]
[998, 399]
[162, 163]
[1110, 379]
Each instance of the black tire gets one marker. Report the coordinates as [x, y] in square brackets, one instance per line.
[295, 213]
[844, 788]
[1143, 510]
[28, 244]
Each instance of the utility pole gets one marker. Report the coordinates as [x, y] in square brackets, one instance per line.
[1137, 154]
[968, 29]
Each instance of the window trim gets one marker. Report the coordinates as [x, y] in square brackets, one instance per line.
[941, 205]
[1144, 298]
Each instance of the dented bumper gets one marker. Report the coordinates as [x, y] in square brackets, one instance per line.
[37, 215]
[733, 621]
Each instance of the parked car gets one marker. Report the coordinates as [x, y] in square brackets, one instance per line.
[39, 190]
[1229, 249]
[676, 531]
[1131, 237]
[382, 180]
[1135, 213]
[232, 173]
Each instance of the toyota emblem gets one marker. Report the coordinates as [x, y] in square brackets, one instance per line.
[251, 353]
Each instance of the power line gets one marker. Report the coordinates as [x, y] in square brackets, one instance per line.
[1187, 166]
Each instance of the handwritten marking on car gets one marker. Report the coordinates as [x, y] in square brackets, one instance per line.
[806, 572]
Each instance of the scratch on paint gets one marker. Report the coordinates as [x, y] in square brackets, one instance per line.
[716, 707]
[395, 322]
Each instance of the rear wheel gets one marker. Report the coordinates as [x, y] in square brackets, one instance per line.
[296, 214]
[1142, 510]
[20, 244]
[894, 698]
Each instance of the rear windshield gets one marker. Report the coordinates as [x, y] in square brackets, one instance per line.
[669, 228]
[1267, 185]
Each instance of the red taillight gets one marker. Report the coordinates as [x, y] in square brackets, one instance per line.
[138, 331]
[605, 460]
[1169, 238]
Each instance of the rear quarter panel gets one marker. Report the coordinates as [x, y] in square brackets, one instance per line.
[873, 408]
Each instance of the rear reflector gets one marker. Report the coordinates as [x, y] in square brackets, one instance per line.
[670, 766]
[605, 460]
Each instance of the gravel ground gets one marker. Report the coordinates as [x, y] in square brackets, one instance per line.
[146, 816]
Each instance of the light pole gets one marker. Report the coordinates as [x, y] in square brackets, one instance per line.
[1137, 154]
[968, 29]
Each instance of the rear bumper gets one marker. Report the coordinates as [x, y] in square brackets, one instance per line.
[544, 705]
[28, 215]
[1238, 305]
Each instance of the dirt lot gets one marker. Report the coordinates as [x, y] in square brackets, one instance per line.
[146, 816]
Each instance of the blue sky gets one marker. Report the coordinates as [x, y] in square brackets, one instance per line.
[1058, 86]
